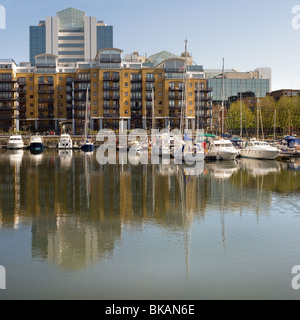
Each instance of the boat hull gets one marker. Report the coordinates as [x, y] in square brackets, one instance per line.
[36, 146]
[253, 154]
[88, 147]
[15, 146]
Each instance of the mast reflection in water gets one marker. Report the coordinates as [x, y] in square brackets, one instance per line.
[147, 231]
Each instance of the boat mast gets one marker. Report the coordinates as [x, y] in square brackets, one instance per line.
[86, 112]
[223, 76]
[274, 124]
[153, 116]
[257, 116]
[241, 112]
[186, 105]
[198, 107]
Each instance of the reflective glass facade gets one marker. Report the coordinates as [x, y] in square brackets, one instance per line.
[37, 42]
[71, 20]
[233, 86]
[104, 37]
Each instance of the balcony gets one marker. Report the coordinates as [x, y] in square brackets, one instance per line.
[111, 107]
[150, 89]
[175, 89]
[175, 98]
[8, 81]
[42, 91]
[134, 80]
[110, 115]
[136, 89]
[80, 89]
[111, 97]
[117, 60]
[45, 109]
[111, 78]
[208, 89]
[48, 100]
[9, 108]
[82, 80]
[46, 117]
[111, 88]
[8, 116]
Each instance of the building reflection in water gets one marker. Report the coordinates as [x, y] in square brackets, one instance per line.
[77, 209]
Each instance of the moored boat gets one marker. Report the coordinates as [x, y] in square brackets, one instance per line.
[222, 149]
[65, 142]
[36, 144]
[15, 142]
[257, 149]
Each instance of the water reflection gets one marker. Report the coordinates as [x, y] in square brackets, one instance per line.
[222, 169]
[259, 167]
[78, 209]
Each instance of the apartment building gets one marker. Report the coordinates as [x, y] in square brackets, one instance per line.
[131, 92]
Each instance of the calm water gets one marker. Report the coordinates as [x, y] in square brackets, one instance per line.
[72, 229]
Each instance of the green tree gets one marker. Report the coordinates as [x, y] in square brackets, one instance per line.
[233, 121]
[288, 114]
[267, 107]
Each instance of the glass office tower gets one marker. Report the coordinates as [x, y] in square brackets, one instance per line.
[37, 41]
[71, 35]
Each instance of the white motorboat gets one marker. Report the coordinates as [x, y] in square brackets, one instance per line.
[36, 144]
[222, 150]
[65, 142]
[15, 142]
[259, 150]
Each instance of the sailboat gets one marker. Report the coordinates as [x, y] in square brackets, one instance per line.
[190, 150]
[221, 149]
[87, 145]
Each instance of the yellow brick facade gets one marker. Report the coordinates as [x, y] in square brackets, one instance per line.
[45, 101]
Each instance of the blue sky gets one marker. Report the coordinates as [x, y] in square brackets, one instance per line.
[247, 34]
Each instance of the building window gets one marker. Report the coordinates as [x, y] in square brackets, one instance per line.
[126, 75]
[31, 88]
[31, 79]
[160, 103]
[126, 112]
[95, 84]
[126, 103]
[95, 111]
[31, 113]
[160, 75]
[126, 94]
[60, 79]
[95, 74]
[160, 112]
[95, 103]
[95, 94]
[126, 84]
[160, 94]
[31, 97]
